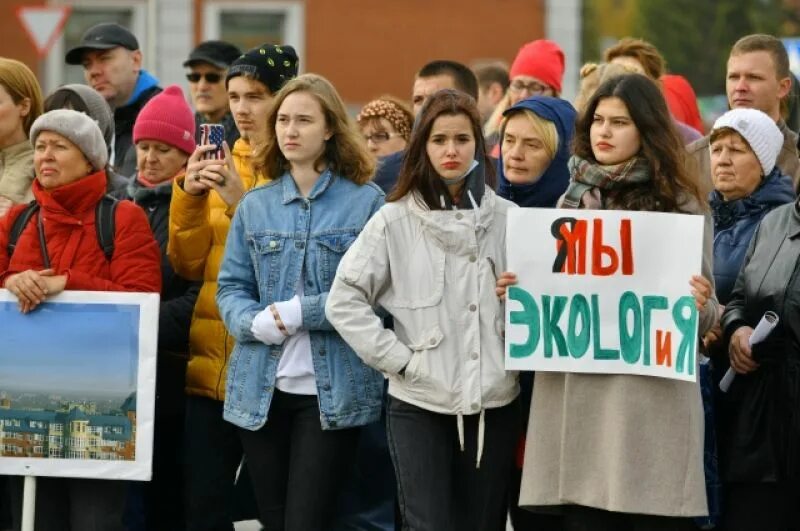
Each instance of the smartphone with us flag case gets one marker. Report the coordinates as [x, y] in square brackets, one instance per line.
[213, 134]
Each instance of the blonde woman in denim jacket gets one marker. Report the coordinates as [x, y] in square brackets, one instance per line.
[295, 389]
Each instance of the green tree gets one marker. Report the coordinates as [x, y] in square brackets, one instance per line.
[695, 36]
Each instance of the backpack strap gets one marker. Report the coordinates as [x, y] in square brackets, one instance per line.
[104, 224]
[22, 220]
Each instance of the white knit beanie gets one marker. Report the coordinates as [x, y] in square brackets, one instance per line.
[758, 130]
[79, 129]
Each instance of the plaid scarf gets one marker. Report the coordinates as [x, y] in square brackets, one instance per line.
[587, 175]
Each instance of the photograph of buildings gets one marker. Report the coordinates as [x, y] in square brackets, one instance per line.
[68, 377]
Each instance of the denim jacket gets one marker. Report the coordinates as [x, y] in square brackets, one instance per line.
[278, 238]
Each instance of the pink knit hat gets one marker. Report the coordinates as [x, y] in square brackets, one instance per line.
[167, 118]
[542, 59]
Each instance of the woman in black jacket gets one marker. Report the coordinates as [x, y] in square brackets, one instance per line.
[760, 446]
[164, 139]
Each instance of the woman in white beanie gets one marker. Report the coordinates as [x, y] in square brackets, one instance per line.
[58, 249]
[755, 267]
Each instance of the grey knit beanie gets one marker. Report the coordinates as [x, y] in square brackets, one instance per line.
[97, 107]
[758, 130]
[79, 129]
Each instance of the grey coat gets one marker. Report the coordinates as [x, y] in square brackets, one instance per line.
[621, 443]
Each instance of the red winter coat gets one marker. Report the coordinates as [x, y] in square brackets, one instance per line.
[72, 244]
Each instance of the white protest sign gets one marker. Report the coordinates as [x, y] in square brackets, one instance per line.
[603, 292]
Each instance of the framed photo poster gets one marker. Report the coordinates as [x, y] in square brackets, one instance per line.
[77, 385]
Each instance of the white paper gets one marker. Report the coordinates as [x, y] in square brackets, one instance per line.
[764, 328]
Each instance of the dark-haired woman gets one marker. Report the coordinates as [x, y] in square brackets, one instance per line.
[452, 411]
[623, 451]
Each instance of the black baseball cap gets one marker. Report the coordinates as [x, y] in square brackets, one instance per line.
[217, 53]
[102, 37]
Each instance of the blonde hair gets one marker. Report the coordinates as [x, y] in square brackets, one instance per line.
[345, 150]
[21, 84]
[592, 75]
[544, 129]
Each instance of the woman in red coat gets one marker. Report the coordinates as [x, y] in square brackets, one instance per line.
[69, 160]
[59, 249]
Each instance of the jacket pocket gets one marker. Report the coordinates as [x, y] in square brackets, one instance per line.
[266, 257]
[419, 282]
[331, 250]
[418, 369]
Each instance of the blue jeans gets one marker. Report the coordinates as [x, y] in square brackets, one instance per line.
[439, 486]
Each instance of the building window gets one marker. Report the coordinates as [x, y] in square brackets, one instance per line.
[248, 24]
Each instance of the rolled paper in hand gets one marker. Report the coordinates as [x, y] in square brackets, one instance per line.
[768, 322]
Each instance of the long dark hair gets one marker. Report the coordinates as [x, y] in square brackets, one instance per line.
[672, 183]
[417, 173]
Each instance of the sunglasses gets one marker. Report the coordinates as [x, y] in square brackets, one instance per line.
[211, 77]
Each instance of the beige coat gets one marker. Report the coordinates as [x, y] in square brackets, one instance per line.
[16, 172]
[435, 273]
[788, 161]
[622, 443]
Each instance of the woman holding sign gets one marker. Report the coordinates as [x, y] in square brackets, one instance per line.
[429, 257]
[59, 245]
[623, 451]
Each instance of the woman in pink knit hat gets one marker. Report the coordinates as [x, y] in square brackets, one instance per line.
[164, 138]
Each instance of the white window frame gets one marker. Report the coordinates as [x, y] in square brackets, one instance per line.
[294, 12]
[55, 65]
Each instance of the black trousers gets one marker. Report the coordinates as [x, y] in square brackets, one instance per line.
[71, 504]
[579, 518]
[297, 468]
[213, 454]
[762, 506]
[440, 488]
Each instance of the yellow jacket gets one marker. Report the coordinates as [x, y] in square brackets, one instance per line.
[198, 227]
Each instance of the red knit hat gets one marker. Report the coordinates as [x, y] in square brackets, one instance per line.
[167, 118]
[542, 59]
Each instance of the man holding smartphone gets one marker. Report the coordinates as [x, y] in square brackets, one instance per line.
[201, 209]
[208, 65]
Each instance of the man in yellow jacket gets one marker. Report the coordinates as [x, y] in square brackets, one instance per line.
[200, 213]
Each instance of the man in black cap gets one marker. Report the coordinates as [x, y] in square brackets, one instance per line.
[208, 63]
[112, 65]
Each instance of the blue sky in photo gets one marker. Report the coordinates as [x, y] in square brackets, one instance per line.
[69, 347]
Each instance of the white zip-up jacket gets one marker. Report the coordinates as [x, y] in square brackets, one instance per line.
[435, 273]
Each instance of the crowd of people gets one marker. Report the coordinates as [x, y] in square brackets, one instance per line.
[331, 337]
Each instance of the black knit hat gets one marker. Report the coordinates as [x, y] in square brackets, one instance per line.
[270, 64]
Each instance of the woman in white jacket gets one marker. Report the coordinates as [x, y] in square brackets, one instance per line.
[430, 258]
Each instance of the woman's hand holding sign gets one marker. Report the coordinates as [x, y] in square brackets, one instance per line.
[505, 280]
[32, 287]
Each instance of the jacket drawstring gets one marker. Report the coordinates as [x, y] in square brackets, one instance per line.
[460, 426]
[481, 429]
[481, 432]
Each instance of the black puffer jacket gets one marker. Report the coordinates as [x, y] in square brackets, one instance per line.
[124, 118]
[178, 295]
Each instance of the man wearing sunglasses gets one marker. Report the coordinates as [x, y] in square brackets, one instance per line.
[112, 65]
[208, 64]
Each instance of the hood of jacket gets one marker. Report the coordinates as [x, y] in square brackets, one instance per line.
[69, 201]
[776, 189]
[553, 182]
